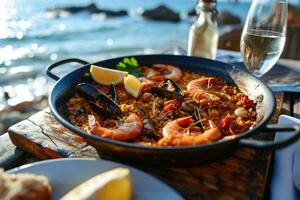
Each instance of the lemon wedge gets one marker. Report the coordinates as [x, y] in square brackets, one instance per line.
[105, 76]
[114, 184]
[133, 85]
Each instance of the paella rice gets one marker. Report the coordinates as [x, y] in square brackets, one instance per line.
[209, 109]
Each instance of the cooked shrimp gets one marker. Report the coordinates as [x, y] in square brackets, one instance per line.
[182, 132]
[167, 71]
[199, 89]
[127, 130]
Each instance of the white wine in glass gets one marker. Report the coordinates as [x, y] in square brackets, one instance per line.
[263, 36]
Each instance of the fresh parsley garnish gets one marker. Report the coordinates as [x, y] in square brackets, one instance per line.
[129, 65]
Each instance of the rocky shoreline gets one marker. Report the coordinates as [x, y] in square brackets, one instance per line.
[159, 13]
[91, 9]
[11, 115]
[22, 98]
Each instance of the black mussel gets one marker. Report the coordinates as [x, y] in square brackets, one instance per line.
[103, 112]
[110, 104]
[102, 104]
[169, 89]
[88, 91]
[149, 131]
[150, 135]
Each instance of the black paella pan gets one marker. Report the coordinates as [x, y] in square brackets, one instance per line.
[136, 153]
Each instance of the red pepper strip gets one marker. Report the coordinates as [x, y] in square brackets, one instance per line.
[247, 103]
[226, 121]
[175, 104]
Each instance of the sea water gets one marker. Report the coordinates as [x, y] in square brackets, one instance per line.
[29, 36]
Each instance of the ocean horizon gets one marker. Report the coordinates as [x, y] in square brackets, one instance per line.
[32, 37]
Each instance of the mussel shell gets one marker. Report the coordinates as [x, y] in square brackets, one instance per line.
[112, 106]
[150, 135]
[164, 92]
[101, 111]
[89, 92]
[149, 131]
[169, 82]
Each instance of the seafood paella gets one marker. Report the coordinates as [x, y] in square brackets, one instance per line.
[159, 105]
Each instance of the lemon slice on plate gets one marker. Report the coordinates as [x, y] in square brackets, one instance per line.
[105, 76]
[114, 184]
[133, 85]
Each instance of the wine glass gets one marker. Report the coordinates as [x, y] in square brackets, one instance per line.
[263, 36]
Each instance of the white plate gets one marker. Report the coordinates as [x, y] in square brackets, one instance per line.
[282, 186]
[65, 174]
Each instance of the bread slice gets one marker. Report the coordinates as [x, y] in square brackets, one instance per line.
[24, 187]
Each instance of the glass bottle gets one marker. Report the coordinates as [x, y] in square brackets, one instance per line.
[203, 35]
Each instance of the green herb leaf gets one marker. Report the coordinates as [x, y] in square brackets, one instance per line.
[130, 65]
[133, 61]
[121, 66]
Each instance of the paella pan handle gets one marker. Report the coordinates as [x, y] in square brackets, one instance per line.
[62, 62]
[294, 130]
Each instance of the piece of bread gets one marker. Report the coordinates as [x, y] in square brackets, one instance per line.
[24, 187]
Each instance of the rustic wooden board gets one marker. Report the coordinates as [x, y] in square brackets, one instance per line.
[241, 176]
[8, 153]
[45, 138]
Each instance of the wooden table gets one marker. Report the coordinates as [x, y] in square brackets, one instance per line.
[244, 175]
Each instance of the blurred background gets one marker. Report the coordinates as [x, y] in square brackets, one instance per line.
[35, 33]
